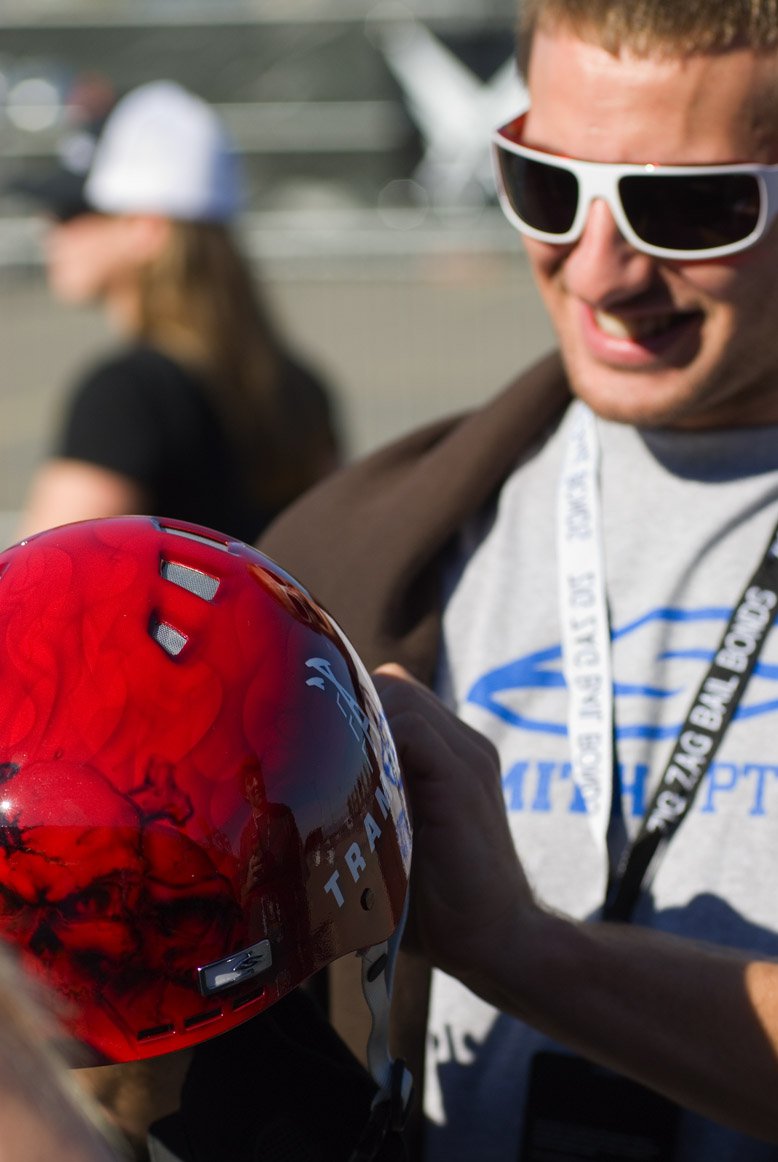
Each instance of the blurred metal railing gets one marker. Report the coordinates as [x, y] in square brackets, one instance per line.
[140, 13]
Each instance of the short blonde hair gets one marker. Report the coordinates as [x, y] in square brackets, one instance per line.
[668, 27]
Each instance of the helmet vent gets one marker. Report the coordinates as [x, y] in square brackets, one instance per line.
[202, 1018]
[171, 640]
[201, 584]
[247, 998]
[190, 535]
[156, 1031]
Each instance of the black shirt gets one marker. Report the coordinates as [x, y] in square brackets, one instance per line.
[147, 417]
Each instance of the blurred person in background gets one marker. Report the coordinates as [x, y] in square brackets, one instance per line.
[203, 413]
[44, 1113]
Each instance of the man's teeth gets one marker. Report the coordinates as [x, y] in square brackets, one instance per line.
[621, 328]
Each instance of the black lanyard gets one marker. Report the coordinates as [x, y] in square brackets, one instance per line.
[705, 726]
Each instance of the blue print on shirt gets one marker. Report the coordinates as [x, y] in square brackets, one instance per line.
[541, 786]
[543, 670]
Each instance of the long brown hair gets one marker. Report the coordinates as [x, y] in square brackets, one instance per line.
[200, 301]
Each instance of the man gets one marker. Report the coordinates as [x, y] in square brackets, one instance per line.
[583, 584]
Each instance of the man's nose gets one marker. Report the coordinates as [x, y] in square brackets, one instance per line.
[603, 269]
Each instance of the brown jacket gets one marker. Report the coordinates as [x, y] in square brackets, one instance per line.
[368, 544]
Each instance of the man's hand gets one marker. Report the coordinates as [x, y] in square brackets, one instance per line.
[694, 1022]
[468, 892]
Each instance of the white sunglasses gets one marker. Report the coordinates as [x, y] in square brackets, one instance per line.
[669, 211]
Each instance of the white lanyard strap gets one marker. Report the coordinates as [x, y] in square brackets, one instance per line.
[586, 647]
[586, 652]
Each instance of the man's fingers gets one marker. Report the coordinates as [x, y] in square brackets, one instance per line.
[395, 670]
[414, 710]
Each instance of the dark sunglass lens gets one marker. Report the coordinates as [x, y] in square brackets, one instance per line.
[682, 212]
[543, 196]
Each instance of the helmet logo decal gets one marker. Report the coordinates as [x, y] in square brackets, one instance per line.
[358, 721]
[232, 970]
[365, 729]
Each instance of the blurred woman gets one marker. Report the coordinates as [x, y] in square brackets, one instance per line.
[203, 413]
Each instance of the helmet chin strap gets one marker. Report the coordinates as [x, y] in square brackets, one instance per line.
[392, 1101]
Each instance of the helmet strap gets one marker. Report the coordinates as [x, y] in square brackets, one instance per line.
[377, 993]
[389, 1110]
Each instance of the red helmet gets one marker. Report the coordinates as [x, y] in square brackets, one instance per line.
[200, 803]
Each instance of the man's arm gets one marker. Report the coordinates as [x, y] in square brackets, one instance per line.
[695, 1022]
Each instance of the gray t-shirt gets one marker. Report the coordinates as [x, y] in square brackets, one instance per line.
[686, 518]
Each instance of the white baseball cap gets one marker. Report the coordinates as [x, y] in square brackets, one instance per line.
[164, 151]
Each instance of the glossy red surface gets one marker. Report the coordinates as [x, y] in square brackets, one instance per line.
[182, 775]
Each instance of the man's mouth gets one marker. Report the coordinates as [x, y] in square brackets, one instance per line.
[638, 328]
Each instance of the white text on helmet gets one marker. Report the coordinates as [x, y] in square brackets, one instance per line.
[354, 858]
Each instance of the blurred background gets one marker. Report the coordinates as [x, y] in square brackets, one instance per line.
[371, 214]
